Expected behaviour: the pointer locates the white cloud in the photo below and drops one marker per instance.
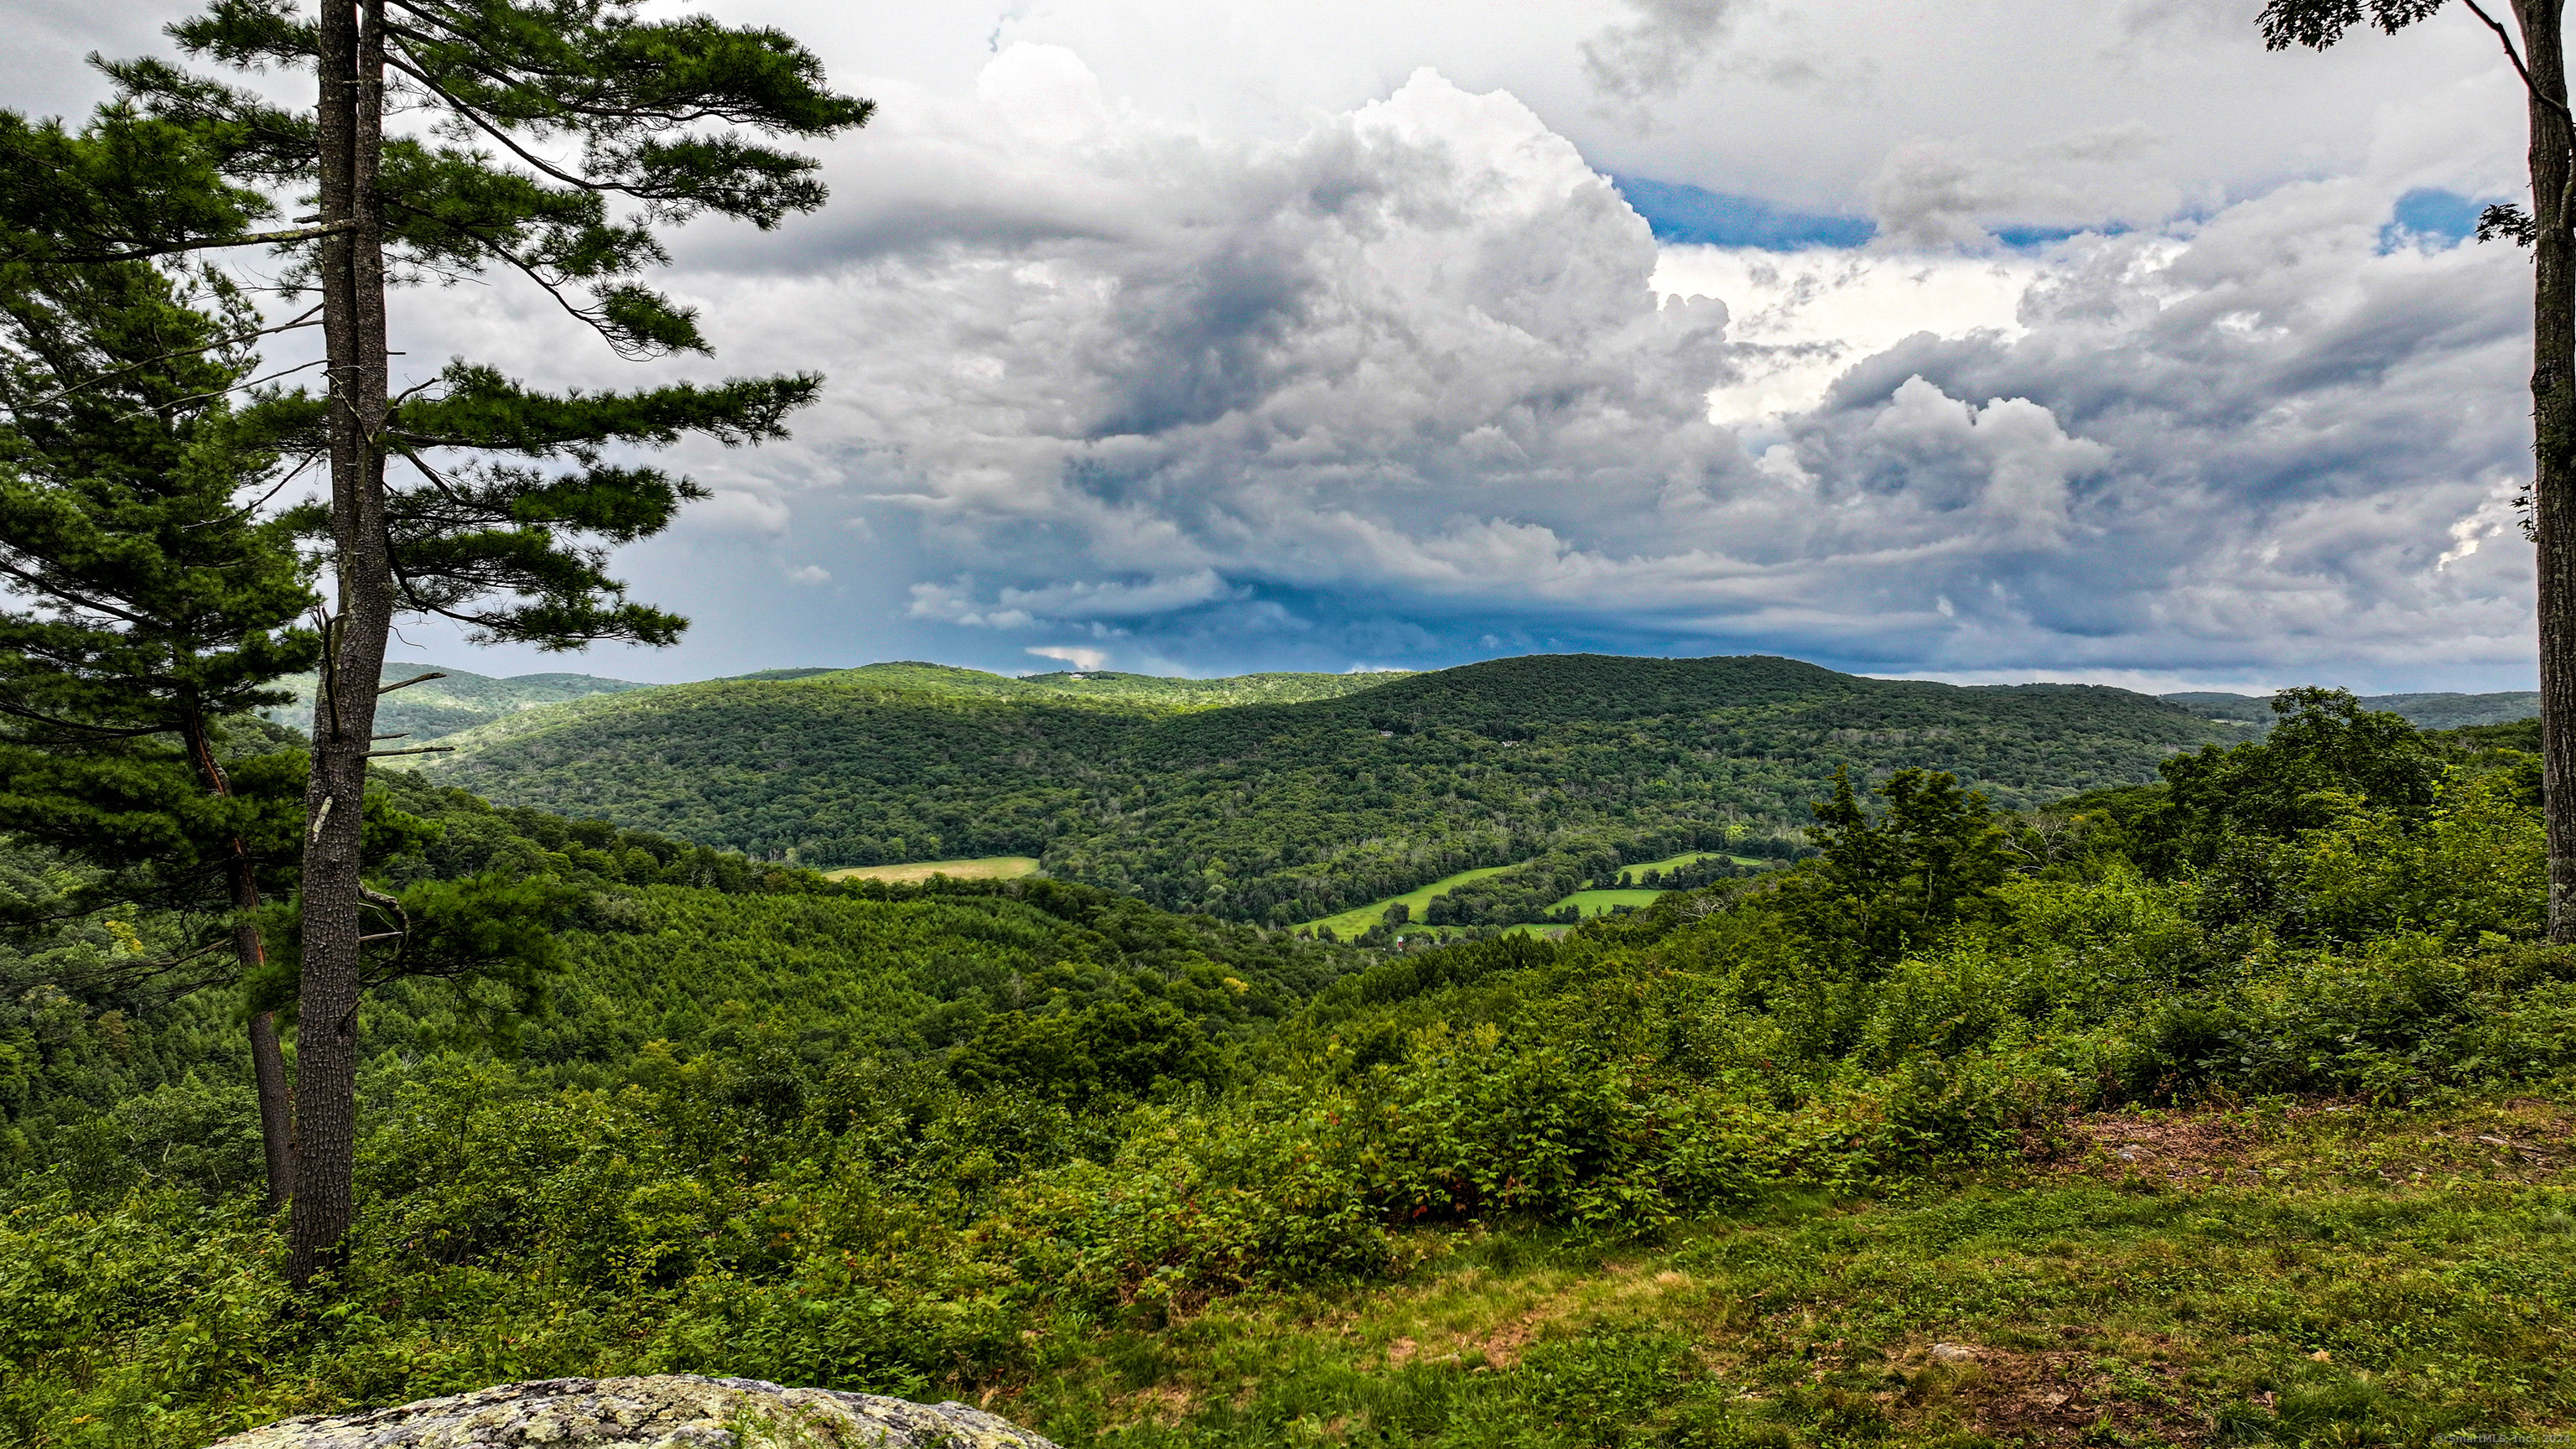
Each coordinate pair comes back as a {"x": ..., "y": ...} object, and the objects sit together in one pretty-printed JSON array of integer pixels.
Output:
[
  {"x": 1802, "y": 318},
  {"x": 737, "y": 510},
  {"x": 1282, "y": 356},
  {"x": 1424, "y": 359},
  {"x": 1075, "y": 655}
]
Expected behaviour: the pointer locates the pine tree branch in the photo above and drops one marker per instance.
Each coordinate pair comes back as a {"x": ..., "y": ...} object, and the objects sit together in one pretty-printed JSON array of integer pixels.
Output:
[
  {"x": 499, "y": 74},
  {"x": 467, "y": 112},
  {"x": 98, "y": 732},
  {"x": 255, "y": 239},
  {"x": 383, "y": 690},
  {"x": 221, "y": 391},
  {"x": 525, "y": 269},
  {"x": 181, "y": 352},
  {"x": 44, "y": 588},
  {"x": 240, "y": 513}
]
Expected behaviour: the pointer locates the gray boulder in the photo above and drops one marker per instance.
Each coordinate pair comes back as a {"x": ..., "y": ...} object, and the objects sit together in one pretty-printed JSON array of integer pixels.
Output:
[{"x": 664, "y": 1411}]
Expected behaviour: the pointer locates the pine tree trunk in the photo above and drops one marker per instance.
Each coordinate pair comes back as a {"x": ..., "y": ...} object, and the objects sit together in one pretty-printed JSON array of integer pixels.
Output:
[
  {"x": 267, "y": 1058},
  {"x": 2553, "y": 415},
  {"x": 353, "y": 300},
  {"x": 276, "y": 1105}
]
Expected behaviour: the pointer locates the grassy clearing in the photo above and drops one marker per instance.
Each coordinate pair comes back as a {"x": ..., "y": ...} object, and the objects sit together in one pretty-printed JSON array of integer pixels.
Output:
[
  {"x": 1352, "y": 922},
  {"x": 1687, "y": 857},
  {"x": 1358, "y": 919},
  {"x": 2326, "y": 1277},
  {"x": 990, "y": 867},
  {"x": 1598, "y": 903}
]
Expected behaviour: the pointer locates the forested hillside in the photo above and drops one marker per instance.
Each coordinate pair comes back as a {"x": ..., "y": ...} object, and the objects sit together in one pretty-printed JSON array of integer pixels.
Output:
[
  {"x": 460, "y": 701},
  {"x": 2439, "y": 711},
  {"x": 2226, "y": 1107},
  {"x": 1287, "y": 812}
]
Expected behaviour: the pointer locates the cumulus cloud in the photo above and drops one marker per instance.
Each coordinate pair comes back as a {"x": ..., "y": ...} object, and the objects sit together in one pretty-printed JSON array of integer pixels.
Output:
[
  {"x": 1414, "y": 384},
  {"x": 1420, "y": 378},
  {"x": 1933, "y": 193}
]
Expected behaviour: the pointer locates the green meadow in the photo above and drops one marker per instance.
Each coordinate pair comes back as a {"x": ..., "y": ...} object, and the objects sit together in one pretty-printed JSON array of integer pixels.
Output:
[
  {"x": 1594, "y": 901},
  {"x": 1601, "y": 902},
  {"x": 1347, "y": 924}
]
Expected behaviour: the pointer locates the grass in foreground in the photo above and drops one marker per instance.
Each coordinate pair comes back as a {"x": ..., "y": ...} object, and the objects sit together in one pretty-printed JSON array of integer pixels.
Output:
[
  {"x": 991, "y": 867},
  {"x": 2322, "y": 1277}
]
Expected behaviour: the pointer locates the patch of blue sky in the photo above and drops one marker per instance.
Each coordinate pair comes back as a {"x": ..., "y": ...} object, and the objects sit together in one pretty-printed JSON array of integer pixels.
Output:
[
  {"x": 2025, "y": 238},
  {"x": 1687, "y": 214},
  {"x": 2429, "y": 218}
]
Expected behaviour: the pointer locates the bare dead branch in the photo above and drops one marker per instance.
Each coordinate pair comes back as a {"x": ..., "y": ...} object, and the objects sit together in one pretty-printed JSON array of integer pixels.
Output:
[{"x": 408, "y": 683}]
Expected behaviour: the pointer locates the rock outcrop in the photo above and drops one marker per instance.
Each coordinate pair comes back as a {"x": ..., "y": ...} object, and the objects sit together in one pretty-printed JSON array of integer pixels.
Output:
[{"x": 665, "y": 1411}]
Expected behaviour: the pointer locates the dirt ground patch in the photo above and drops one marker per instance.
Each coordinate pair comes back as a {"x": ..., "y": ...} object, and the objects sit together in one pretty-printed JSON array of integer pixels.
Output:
[
  {"x": 2179, "y": 1146},
  {"x": 1161, "y": 1404},
  {"x": 2052, "y": 1398},
  {"x": 2525, "y": 1139}
]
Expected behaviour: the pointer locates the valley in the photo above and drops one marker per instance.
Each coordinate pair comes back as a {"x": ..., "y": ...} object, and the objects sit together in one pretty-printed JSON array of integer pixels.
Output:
[
  {"x": 1324, "y": 795},
  {"x": 2164, "y": 1110}
]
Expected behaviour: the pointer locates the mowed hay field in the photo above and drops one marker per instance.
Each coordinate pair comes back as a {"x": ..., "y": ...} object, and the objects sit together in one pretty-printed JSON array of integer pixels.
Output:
[{"x": 991, "y": 867}]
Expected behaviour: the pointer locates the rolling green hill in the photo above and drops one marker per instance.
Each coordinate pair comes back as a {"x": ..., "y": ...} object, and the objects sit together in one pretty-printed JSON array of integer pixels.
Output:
[
  {"x": 1280, "y": 812},
  {"x": 460, "y": 701},
  {"x": 2424, "y": 711},
  {"x": 464, "y": 699}
]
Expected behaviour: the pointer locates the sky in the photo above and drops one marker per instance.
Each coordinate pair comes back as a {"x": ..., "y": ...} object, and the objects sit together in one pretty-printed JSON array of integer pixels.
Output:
[{"x": 1989, "y": 340}]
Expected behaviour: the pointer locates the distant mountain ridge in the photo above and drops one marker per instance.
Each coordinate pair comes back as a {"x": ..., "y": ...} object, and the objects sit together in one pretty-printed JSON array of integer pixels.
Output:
[
  {"x": 2424, "y": 711},
  {"x": 462, "y": 700},
  {"x": 1281, "y": 798}
]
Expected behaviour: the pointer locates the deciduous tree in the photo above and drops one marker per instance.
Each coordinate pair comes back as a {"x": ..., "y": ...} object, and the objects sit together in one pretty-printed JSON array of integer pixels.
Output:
[
  {"x": 2535, "y": 43},
  {"x": 1892, "y": 881}
]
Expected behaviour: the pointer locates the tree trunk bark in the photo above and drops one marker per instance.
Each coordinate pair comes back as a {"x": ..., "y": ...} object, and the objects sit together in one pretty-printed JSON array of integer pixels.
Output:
[
  {"x": 276, "y": 1106},
  {"x": 351, "y": 114},
  {"x": 267, "y": 1058},
  {"x": 2553, "y": 416}
]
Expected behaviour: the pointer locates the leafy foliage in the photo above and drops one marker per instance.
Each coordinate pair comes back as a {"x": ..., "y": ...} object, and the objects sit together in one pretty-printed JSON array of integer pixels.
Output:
[{"x": 931, "y": 1139}]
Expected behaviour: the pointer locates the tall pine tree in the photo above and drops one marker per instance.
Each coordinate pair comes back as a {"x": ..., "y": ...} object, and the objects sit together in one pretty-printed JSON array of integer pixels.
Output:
[
  {"x": 152, "y": 604},
  {"x": 560, "y": 134}
]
